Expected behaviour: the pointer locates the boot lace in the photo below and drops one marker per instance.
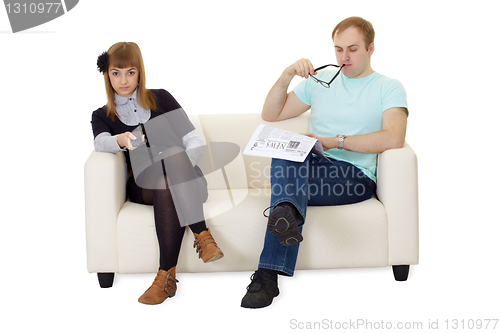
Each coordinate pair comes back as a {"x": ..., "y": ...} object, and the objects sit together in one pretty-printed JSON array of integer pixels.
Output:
[
  {"x": 262, "y": 279},
  {"x": 265, "y": 210}
]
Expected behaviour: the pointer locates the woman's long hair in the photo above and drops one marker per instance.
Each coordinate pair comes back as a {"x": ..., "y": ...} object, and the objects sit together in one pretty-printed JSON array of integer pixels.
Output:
[{"x": 126, "y": 55}]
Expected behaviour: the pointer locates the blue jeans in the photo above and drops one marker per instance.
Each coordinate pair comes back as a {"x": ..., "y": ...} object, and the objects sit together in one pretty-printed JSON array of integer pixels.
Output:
[{"x": 314, "y": 182}]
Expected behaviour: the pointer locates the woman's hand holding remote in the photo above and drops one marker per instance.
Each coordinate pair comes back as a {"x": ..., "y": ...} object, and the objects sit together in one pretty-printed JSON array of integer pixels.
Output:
[{"x": 124, "y": 140}]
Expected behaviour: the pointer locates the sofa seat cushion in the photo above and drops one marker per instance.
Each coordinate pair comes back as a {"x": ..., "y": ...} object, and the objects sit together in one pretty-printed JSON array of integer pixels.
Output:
[{"x": 343, "y": 236}]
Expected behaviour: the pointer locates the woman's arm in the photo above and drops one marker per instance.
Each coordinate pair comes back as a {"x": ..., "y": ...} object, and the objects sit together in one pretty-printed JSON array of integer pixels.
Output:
[
  {"x": 106, "y": 143},
  {"x": 193, "y": 145}
]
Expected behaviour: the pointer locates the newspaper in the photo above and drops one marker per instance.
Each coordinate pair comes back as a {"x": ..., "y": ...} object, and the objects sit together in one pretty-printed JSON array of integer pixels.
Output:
[{"x": 268, "y": 141}]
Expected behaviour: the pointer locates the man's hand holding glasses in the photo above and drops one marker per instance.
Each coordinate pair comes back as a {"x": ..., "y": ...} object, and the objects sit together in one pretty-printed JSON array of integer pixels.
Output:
[
  {"x": 302, "y": 68},
  {"x": 281, "y": 104}
]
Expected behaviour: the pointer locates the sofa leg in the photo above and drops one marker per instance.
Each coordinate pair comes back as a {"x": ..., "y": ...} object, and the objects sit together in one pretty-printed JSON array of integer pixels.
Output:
[
  {"x": 106, "y": 279},
  {"x": 401, "y": 272}
]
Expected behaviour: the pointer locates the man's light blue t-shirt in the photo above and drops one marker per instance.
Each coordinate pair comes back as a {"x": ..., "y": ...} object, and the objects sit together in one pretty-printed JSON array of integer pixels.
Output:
[{"x": 350, "y": 107}]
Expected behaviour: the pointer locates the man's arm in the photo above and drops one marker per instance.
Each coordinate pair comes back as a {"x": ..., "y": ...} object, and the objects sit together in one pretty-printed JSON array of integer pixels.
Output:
[
  {"x": 279, "y": 104},
  {"x": 391, "y": 136}
]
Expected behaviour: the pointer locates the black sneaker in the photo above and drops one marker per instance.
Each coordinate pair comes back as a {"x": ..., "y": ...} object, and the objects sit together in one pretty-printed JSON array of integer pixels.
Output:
[
  {"x": 282, "y": 223},
  {"x": 261, "y": 291}
]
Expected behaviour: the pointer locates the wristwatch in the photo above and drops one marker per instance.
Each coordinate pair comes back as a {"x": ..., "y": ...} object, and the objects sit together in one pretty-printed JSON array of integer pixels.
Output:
[{"x": 341, "y": 141}]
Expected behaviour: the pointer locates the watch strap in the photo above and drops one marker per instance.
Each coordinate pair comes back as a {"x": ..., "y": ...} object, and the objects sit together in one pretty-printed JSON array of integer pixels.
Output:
[{"x": 341, "y": 141}]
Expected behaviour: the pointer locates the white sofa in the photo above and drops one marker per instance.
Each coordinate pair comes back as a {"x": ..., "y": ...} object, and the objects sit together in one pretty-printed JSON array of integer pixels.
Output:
[{"x": 382, "y": 231}]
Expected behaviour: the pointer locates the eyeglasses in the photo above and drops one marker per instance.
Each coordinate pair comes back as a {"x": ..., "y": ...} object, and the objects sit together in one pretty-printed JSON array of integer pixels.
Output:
[{"x": 324, "y": 83}]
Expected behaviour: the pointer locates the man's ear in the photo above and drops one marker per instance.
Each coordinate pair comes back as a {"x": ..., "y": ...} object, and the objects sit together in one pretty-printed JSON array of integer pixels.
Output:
[{"x": 371, "y": 48}]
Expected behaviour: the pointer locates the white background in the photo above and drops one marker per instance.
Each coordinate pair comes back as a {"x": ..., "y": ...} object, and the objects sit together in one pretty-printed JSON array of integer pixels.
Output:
[{"x": 223, "y": 57}]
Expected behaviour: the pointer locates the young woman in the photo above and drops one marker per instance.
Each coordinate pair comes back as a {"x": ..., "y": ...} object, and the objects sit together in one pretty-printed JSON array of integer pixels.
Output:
[{"x": 174, "y": 178}]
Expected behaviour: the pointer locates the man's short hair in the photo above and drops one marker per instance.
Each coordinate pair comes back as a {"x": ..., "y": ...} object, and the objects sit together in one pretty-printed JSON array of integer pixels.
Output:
[{"x": 363, "y": 26}]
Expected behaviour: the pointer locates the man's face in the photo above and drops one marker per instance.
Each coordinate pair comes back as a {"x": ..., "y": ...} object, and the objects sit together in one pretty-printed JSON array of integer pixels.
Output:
[{"x": 350, "y": 51}]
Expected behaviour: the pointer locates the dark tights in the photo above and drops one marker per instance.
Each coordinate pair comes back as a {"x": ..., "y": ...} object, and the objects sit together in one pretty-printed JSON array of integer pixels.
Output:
[{"x": 168, "y": 227}]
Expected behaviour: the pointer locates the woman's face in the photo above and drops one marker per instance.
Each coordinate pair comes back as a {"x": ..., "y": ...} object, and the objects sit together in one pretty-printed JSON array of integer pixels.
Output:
[{"x": 124, "y": 80}]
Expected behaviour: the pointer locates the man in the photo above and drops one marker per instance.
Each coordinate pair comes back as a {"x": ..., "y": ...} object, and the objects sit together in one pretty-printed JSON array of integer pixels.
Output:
[{"x": 358, "y": 115}]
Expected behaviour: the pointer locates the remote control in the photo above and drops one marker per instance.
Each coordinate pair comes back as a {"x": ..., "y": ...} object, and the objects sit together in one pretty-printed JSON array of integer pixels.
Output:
[{"x": 138, "y": 142}]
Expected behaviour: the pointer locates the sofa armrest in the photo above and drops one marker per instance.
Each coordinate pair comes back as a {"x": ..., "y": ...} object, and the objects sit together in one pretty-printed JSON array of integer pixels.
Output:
[
  {"x": 105, "y": 193},
  {"x": 397, "y": 189}
]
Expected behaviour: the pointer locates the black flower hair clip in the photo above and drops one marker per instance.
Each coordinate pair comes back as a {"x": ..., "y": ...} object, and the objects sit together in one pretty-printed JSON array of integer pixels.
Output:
[{"x": 103, "y": 62}]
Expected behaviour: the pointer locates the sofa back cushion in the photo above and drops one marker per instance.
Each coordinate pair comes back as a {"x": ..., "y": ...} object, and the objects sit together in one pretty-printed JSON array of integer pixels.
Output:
[{"x": 226, "y": 136}]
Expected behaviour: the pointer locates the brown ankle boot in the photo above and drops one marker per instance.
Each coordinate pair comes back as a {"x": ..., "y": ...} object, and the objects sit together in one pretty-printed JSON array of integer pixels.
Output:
[
  {"x": 206, "y": 247},
  {"x": 163, "y": 287}
]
